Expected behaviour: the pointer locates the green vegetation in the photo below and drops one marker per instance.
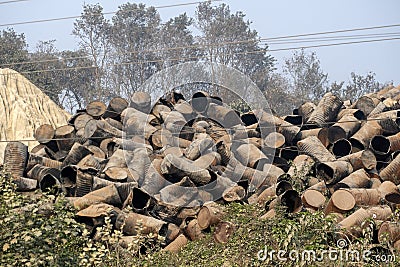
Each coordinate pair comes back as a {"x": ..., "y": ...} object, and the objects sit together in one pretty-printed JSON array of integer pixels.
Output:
[{"x": 34, "y": 232}]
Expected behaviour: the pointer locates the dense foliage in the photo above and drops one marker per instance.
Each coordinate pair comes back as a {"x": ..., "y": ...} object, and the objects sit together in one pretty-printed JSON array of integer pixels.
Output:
[{"x": 37, "y": 231}]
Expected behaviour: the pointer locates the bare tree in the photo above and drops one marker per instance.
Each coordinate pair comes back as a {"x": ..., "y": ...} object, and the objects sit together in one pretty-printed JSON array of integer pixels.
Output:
[
  {"x": 93, "y": 30},
  {"x": 135, "y": 30},
  {"x": 358, "y": 86},
  {"x": 228, "y": 39},
  {"x": 307, "y": 79},
  {"x": 77, "y": 80},
  {"x": 276, "y": 88},
  {"x": 13, "y": 49}
]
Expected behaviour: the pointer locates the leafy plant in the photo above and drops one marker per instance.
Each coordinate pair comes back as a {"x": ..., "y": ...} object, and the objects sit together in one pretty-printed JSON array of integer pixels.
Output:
[{"x": 37, "y": 231}]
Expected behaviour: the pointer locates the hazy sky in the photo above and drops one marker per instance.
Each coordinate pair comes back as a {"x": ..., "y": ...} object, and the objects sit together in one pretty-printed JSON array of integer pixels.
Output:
[{"x": 269, "y": 18}]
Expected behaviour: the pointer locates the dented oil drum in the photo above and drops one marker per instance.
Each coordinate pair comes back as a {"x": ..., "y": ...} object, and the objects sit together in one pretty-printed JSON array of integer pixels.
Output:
[
  {"x": 141, "y": 101},
  {"x": 115, "y": 107},
  {"x": 313, "y": 147},
  {"x": 15, "y": 158},
  {"x": 392, "y": 171},
  {"x": 325, "y": 112}
]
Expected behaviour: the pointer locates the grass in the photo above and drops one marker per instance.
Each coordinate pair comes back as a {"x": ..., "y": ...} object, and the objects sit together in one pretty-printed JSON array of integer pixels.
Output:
[{"x": 302, "y": 233}]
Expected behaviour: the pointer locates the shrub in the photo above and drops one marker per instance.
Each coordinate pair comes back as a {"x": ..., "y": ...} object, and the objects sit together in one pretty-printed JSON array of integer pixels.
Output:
[{"x": 37, "y": 231}]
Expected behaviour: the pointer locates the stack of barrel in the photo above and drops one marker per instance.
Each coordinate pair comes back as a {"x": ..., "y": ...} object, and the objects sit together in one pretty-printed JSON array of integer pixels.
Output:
[{"x": 176, "y": 163}]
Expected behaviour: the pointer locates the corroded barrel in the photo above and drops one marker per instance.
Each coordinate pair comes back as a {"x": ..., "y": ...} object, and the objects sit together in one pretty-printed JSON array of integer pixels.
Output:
[
  {"x": 15, "y": 158},
  {"x": 357, "y": 179},
  {"x": 141, "y": 101},
  {"x": 380, "y": 145},
  {"x": 389, "y": 231},
  {"x": 172, "y": 165},
  {"x": 200, "y": 101},
  {"x": 341, "y": 148},
  {"x": 177, "y": 244},
  {"x": 108, "y": 195},
  {"x": 25, "y": 184},
  {"x": 356, "y": 218},
  {"x": 361, "y": 139},
  {"x": 341, "y": 201},
  {"x": 326, "y": 110},
  {"x": 115, "y": 107},
  {"x": 131, "y": 222},
  {"x": 65, "y": 137},
  {"x": 313, "y": 147},
  {"x": 362, "y": 159},
  {"x": 344, "y": 128},
  {"x": 305, "y": 110},
  {"x": 394, "y": 142},
  {"x": 366, "y": 104},
  {"x": 392, "y": 171},
  {"x": 76, "y": 154},
  {"x": 209, "y": 215},
  {"x": 364, "y": 196},
  {"x": 333, "y": 172},
  {"x": 313, "y": 199}
]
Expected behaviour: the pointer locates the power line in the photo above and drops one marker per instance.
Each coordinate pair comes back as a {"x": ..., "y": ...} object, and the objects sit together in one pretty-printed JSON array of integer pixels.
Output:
[
  {"x": 335, "y": 44},
  {"x": 12, "y": 1},
  {"x": 341, "y": 31},
  {"x": 201, "y": 57},
  {"x": 174, "y": 5},
  {"x": 105, "y": 13},
  {"x": 262, "y": 40},
  {"x": 331, "y": 38}
]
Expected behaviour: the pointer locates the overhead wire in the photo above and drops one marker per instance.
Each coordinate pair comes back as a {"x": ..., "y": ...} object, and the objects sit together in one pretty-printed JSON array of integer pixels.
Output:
[
  {"x": 105, "y": 13},
  {"x": 261, "y": 50},
  {"x": 330, "y": 39},
  {"x": 271, "y": 42},
  {"x": 203, "y": 45},
  {"x": 12, "y": 1},
  {"x": 341, "y": 31},
  {"x": 335, "y": 44}
]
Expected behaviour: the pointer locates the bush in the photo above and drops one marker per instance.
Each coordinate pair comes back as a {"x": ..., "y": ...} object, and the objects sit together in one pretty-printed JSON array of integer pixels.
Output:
[{"x": 37, "y": 231}]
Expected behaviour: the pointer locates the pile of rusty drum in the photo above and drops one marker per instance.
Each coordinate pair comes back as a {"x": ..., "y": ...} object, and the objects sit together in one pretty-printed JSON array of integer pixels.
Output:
[{"x": 176, "y": 163}]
